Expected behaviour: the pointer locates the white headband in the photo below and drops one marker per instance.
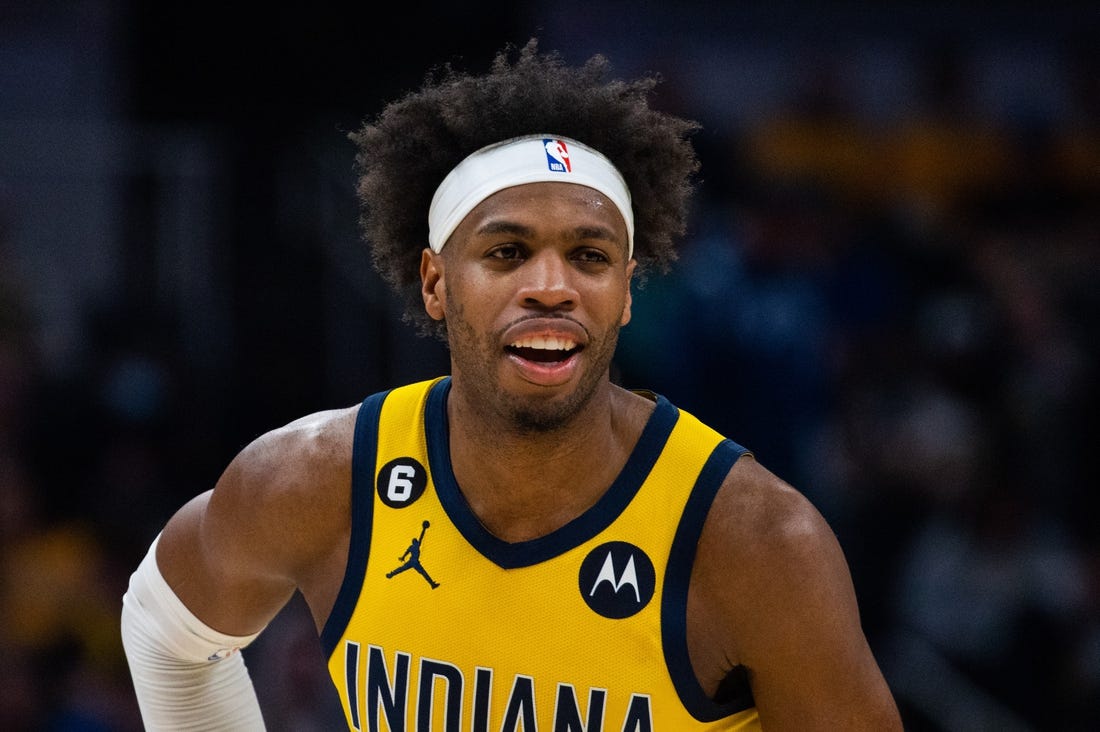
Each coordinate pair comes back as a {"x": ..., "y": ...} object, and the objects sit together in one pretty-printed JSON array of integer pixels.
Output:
[{"x": 529, "y": 159}]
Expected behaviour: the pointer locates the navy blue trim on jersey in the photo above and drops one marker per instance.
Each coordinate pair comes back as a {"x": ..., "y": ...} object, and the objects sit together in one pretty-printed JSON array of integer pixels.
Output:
[
  {"x": 364, "y": 454},
  {"x": 509, "y": 555},
  {"x": 674, "y": 602}
]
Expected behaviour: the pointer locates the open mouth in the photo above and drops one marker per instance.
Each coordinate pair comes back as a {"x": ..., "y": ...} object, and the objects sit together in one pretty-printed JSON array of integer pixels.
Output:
[{"x": 544, "y": 349}]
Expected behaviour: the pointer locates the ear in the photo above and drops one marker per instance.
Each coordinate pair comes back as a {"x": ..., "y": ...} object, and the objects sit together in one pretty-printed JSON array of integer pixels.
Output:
[
  {"x": 629, "y": 299},
  {"x": 431, "y": 284}
]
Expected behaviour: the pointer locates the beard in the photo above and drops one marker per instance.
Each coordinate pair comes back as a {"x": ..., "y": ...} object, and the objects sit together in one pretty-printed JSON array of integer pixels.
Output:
[{"x": 478, "y": 358}]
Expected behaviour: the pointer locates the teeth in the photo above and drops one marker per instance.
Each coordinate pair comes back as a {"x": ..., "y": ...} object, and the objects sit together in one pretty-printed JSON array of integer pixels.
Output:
[{"x": 546, "y": 343}]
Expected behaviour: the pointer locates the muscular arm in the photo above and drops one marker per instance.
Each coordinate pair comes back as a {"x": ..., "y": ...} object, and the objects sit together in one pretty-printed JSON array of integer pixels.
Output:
[
  {"x": 776, "y": 597},
  {"x": 228, "y": 561},
  {"x": 277, "y": 521},
  {"x": 218, "y": 556}
]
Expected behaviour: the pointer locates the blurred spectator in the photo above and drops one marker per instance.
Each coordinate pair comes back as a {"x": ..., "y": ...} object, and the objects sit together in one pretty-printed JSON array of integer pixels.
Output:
[{"x": 64, "y": 668}]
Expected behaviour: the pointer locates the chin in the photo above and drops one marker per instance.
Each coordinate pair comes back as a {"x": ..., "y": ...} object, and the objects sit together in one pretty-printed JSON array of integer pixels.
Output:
[
  {"x": 548, "y": 409},
  {"x": 541, "y": 421}
]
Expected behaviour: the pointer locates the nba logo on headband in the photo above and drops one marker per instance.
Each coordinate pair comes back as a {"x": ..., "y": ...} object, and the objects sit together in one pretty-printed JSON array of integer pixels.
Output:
[{"x": 557, "y": 156}]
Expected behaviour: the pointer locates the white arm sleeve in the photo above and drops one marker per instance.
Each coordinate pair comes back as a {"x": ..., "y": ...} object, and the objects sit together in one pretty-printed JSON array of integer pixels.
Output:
[{"x": 187, "y": 675}]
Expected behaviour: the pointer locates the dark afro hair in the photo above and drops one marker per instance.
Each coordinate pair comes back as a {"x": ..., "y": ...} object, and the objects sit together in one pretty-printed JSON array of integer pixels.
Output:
[{"x": 404, "y": 154}]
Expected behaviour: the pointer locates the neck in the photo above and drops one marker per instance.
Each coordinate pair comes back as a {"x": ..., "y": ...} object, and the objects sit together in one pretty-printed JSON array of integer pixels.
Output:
[{"x": 523, "y": 484}]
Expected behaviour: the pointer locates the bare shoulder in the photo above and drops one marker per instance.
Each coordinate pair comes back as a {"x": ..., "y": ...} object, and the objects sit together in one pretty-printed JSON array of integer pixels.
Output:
[
  {"x": 294, "y": 457},
  {"x": 764, "y": 544},
  {"x": 291, "y": 483},
  {"x": 758, "y": 516}
]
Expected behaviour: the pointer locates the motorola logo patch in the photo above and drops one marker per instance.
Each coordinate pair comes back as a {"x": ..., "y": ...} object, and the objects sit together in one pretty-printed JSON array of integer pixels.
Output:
[
  {"x": 617, "y": 579},
  {"x": 401, "y": 481}
]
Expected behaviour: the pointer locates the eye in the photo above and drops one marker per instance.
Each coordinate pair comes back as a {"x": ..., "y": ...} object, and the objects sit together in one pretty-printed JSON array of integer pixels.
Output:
[
  {"x": 506, "y": 251},
  {"x": 589, "y": 256}
]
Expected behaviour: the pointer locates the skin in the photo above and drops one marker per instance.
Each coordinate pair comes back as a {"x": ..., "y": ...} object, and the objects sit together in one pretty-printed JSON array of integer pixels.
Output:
[{"x": 533, "y": 446}]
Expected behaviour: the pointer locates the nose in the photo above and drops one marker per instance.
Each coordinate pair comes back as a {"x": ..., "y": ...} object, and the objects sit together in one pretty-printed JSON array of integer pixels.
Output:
[{"x": 547, "y": 281}]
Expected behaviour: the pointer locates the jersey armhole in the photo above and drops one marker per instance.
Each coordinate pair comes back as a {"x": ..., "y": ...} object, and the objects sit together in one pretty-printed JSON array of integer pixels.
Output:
[
  {"x": 363, "y": 458},
  {"x": 736, "y": 695}
]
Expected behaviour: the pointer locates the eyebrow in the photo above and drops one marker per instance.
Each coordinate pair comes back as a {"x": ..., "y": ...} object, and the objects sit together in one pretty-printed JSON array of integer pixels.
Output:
[
  {"x": 580, "y": 233},
  {"x": 506, "y": 227}
]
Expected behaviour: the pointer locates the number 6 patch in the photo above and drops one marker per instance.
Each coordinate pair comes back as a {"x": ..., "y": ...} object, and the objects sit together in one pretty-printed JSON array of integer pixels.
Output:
[{"x": 401, "y": 481}]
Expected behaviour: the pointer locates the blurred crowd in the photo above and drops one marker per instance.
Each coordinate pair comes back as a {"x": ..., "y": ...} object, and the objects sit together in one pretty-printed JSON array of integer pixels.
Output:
[
  {"x": 903, "y": 322},
  {"x": 900, "y": 319}
]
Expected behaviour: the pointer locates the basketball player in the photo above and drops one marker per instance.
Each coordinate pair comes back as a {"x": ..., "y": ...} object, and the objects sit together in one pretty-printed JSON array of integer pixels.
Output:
[{"x": 600, "y": 560}]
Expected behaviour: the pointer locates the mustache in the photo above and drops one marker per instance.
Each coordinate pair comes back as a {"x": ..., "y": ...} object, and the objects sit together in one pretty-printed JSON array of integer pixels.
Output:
[{"x": 550, "y": 315}]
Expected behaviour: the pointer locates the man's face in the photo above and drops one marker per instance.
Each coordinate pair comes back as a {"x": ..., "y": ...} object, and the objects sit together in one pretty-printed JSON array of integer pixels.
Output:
[{"x": 534, "y": 286}]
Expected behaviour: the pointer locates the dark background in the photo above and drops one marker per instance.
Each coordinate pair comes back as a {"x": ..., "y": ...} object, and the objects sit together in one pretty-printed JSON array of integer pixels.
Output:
[{"x": 890, "y": 292}]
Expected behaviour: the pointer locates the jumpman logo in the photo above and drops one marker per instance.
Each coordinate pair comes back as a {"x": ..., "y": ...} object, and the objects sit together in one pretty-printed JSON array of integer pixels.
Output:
[{"x": 413, "y": 555}]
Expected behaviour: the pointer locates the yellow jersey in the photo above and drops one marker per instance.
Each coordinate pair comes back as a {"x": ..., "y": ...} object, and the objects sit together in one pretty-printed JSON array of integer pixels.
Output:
[{"x": 439, "y": 625}]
